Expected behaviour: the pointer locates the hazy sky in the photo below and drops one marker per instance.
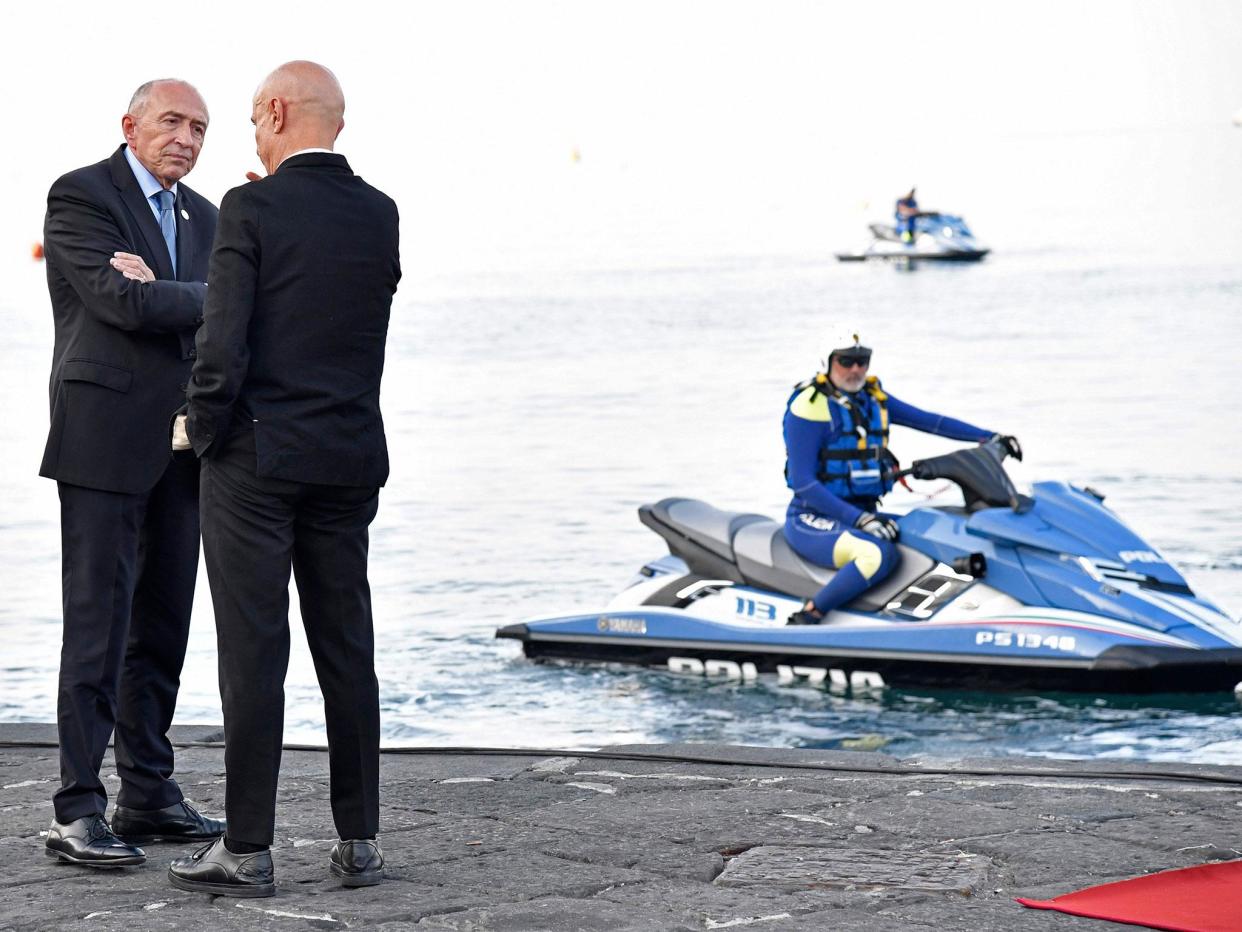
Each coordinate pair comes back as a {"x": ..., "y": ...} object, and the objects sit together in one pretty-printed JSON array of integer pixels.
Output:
[{"x": 469, "y": 113}]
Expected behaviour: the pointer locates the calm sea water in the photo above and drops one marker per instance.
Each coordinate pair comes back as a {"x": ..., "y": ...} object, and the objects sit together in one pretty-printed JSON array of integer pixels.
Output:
[{"x": 537, "y": 395}]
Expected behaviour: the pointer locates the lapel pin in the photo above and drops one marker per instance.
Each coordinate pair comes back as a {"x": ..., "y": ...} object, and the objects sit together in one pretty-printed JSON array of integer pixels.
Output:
[{"x": 185, "y": 214}]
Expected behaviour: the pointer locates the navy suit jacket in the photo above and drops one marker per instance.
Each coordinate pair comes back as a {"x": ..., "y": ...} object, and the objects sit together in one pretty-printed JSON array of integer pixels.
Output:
[
  {"x": 303, "y": 272},
  {"x": 123, "y": 349}
]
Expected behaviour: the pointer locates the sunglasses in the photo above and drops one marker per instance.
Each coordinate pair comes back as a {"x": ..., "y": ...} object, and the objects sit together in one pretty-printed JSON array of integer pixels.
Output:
[{"x": 846, "y": 362}]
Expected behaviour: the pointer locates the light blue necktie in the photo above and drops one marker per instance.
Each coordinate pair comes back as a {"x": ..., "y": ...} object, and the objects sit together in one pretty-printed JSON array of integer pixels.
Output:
[{"x": 168, "y": 224}]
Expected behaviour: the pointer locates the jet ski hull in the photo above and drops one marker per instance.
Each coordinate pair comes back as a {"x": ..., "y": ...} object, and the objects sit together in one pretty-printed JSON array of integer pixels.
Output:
[
  {"x": 966, "y": 255},
  {"x": 1121, "y": 669}
]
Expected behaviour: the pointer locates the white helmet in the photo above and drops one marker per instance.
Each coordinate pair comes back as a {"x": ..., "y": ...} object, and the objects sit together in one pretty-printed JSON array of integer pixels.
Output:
[{"x": 847, "y": 342}]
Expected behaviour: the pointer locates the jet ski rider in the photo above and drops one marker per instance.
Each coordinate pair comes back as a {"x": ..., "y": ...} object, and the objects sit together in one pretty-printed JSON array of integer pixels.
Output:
[
  {"x": 905, "y": 211},
  {"x": 836, "y": 447}
]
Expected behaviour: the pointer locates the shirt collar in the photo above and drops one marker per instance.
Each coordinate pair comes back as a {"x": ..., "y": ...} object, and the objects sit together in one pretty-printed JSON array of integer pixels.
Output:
[
  {"x": 304, "y": 152},
  {"x": 146, "y": 181}
]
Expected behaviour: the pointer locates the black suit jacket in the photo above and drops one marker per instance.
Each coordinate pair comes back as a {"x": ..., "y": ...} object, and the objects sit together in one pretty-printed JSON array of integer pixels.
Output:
[
  {"x": 123, "y": 349},
  {"x": 303, "y": 272}
]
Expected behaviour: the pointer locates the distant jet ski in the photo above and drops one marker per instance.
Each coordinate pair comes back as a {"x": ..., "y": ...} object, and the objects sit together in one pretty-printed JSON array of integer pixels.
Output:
[
  {"x": 937, "y": 238},
  {"x": 1048, "y": 592}
]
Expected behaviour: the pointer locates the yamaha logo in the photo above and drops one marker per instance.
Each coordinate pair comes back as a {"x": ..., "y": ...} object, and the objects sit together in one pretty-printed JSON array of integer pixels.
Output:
[{"x": 623, "y": 625}]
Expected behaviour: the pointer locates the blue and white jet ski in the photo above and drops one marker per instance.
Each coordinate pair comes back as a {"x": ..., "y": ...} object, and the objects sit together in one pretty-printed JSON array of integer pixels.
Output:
[
  {"x": 1047, "y": 592},
  {"x": 937, "y": 238}
]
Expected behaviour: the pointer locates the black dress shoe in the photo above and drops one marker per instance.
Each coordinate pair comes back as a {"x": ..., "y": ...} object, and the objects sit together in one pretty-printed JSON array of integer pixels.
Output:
[
  {"x": 178, "y": 822},
  {"x": 358, "y": 863},
  {"x": 88, "y": 841},
  {"x": 216, "y": 870}
]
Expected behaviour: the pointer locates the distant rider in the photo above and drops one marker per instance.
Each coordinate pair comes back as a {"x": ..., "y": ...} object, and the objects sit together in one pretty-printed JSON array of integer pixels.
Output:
[
  {"x": 905, "y": 212},
  {"x": 836, "y": 447}
]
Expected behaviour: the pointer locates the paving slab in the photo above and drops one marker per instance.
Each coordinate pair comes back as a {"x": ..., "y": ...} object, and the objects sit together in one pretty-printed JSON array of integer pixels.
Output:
[{"x": 676, "y": 837}]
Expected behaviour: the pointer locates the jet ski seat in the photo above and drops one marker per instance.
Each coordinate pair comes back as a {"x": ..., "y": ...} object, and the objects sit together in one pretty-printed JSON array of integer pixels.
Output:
[
  {"x": 700, "y": 534},
  {"x": 751, "y": 550}
]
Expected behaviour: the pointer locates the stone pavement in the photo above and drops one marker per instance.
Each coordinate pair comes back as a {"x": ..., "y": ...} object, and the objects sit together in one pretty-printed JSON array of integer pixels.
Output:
[{"x": 771, "y": 840}]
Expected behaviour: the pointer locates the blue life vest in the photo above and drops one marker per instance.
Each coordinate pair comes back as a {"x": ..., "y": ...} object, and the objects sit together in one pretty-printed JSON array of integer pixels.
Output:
[
  {"x": 905, "y": 224},
  {"x": 852, "y": 464}
]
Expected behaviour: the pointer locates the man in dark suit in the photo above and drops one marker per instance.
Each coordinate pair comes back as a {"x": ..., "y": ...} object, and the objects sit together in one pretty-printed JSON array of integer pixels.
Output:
[
  {"x": 284, "y": 412},
  {"x": 127, "y": 247}
]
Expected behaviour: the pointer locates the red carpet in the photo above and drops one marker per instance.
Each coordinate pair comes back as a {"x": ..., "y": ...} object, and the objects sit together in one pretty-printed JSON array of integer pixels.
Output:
[{"x": 1207, "y": 898}]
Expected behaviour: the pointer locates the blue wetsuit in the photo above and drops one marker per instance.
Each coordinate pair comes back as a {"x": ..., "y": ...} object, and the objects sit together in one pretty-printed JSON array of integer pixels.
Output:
[{"x": 819, "y": 523}]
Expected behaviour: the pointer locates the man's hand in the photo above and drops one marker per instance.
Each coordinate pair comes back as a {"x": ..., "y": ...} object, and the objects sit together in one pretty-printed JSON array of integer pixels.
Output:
[
  {"x": 132, "y": 266},
  {"x": 253, "y": 176},
  {"x": 877, "y": 526},
  {"x": 1009, "y": 444}
]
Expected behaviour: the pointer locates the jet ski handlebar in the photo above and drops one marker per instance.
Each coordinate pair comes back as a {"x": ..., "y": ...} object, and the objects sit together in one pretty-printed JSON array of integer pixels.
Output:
[{"x": 977, "y": 471}]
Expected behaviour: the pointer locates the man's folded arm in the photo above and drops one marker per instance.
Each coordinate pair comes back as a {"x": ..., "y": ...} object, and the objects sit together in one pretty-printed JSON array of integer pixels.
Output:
[
  {"x": 223, "y": 354},
  {"x": 80, "y": 238}
]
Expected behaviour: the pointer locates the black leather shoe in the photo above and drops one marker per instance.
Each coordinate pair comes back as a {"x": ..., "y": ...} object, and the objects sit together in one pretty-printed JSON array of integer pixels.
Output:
[
  {"x": 358, "y": 863},
  {"x": 88, "y": 841},
  {"x": 178, "y": 822},
  {"x": 216, "y": 870}
]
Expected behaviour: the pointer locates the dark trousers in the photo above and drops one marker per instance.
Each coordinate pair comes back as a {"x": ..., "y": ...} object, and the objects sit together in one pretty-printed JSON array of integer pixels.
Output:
[
  {"x": 815, "y": 537},
  {"x": 129, "y": 563},
  {"x": 254, "y": 531}
]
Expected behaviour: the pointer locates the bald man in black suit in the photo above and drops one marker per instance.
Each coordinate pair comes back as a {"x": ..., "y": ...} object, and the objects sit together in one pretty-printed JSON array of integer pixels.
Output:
[{"x": 284, "y": 411}]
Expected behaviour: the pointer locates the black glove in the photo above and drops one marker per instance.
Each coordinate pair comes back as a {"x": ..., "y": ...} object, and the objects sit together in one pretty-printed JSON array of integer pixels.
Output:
[
  {"x": 878, "y": 526},
  {"x": 1008, "y": 443}
]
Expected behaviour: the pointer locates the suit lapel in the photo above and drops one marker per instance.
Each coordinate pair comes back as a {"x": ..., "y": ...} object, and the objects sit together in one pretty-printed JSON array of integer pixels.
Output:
[{"x": 140, "y": 210}]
